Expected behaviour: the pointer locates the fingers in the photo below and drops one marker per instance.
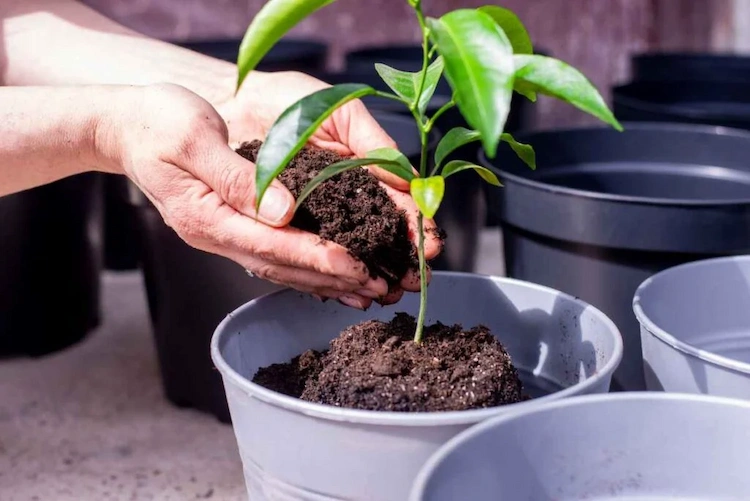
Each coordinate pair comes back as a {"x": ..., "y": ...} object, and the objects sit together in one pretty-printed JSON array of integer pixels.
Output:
[
  {"x": 432, "y": 242},
  {"x": 359, "y": 130},
  {"x": 233, "y": 178}
]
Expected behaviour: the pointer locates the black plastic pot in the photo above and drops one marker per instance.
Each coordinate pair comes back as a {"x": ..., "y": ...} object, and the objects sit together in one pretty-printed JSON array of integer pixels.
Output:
[
  {"x": 712, "y": 103},
  {"x": 50, "y": 261},
  {"x": 684, "y": 66},
  {"x": 605, "y": 210},
  {"x": 190, "y": 292},
  {"x": 288, "y": 54},
  {"x": 119, "y": 237}
]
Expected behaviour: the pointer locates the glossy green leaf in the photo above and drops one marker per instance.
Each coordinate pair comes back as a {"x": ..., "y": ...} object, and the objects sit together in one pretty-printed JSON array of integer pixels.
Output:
[
  {"x": 455, "y": 166},
  {"x": 406, "y": 84},
  {"x": 524, "y": 151},
  {"x": 479, "y": 67},
  {"x": 525, "y": 89},
  {"x": 335, "y": 169},
  {"x": 555, "y": 78},
  {"x": 427, "y": 193},
  {"x": 271, "y": 23},
  {"x": 402, "y": 167},
  {"x": 514, "y": 29},
  {"x": 295, "y": 126},
  {"x": 454, "y": 139}
]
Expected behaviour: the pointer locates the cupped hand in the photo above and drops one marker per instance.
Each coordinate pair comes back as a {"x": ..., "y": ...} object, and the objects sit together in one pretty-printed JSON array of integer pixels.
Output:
[
  {"x": 175, "y": 147},
  {"x": 349, "y": 131}
]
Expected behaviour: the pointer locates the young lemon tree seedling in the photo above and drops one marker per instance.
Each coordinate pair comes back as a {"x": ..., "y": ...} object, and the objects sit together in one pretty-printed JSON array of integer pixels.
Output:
[{"x": 485, "y": 54}]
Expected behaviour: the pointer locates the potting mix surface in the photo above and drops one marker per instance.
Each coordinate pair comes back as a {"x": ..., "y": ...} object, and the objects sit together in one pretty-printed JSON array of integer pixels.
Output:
[{"x": 376, "y": 365}]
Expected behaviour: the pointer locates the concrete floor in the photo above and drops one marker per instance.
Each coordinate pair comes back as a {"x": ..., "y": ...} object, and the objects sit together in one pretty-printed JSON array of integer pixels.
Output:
[{"x": 91, "y": 422}]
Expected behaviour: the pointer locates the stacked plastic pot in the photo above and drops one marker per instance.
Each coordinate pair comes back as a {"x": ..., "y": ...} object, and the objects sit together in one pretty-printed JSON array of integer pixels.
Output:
[
  {"x": 50, "y": 260},
  {"x": 605, "y": 210}
]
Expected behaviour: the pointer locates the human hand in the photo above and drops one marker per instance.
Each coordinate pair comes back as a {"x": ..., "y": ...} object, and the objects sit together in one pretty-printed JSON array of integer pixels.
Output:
[
  {"x": 349, "y": 131},
  {"x": 174, "y": 146}
]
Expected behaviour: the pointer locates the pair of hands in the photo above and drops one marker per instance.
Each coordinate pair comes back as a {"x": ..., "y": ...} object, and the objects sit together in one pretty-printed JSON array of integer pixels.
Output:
[{"x": 178, "y": 149}]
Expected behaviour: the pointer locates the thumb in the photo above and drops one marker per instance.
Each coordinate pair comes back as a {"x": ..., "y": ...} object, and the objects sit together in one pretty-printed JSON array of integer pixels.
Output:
[{"x": 232, "y": 177}]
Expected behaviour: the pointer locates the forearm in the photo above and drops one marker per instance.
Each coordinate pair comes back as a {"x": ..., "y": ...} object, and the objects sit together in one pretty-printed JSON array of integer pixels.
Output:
[
  {"x": 62, "y": 42},
  {"x": 47, "y": 133}
]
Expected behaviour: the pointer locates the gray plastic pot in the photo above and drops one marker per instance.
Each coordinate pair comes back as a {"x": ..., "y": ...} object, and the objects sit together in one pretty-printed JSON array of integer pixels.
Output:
[
  {"x": 605, "y": 210},
  {"x": 292, "y": 449},
  {"x": 617, "y": 447},
  {"x": 695, "y": 321}
]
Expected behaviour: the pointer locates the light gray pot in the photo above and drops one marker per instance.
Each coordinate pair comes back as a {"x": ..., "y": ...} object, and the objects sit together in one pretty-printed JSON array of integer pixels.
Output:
[
  {"x": 695, "y": 325},
  {"x": 292, "y": 449},
  {"x": 622, "y": 446}
]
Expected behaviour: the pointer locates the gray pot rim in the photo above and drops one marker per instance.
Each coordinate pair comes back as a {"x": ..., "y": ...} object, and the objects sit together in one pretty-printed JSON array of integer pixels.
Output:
[
  {"x": 389, "y": 418},
  {"x": 643, "y": 396},
  {"x": 665, "y": 337},
  {"x": 627, "y": 199}
]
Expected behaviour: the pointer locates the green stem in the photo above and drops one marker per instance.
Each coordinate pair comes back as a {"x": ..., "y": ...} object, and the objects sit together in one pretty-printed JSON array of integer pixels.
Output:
[
  {"x": 431, "y": 122},
  {"x": 422, "y": 281},
  {"x": 424, "y": 129},
  {"x": 425, "y": 51}
]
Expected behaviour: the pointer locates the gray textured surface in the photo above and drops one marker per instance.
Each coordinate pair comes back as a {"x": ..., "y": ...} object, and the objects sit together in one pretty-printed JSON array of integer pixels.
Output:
[{"x": 91, "y": 422}]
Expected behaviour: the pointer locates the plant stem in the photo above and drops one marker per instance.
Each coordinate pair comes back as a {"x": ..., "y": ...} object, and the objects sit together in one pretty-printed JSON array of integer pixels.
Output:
[
  {"x": 422, "y": 281},
  {"x": 425, "y": 50},
  {"x": 431, "y": 122},
  {"x": 424, "y": 129}
]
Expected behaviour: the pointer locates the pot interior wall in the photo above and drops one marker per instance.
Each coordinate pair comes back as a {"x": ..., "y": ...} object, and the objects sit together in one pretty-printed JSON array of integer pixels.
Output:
[
  {"x": 704, "y": 305},
  {"x": 554, "y": 342}
]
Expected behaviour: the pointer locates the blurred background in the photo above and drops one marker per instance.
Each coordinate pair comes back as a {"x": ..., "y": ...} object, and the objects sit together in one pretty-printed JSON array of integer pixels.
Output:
[{"x": 595, "y": 36}]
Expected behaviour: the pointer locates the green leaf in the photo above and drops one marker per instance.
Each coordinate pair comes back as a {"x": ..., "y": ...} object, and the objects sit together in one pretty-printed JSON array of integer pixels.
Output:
[
  {"x": 294, "y": 127},
  {"x": 335, "y": 169},
  {"x": 427, "y": 193},
  {"x": 524, "y": 151},
  {"x": 455, "y": 166},
  {"x": 512, "y": 26},
  {"x": 555, "y": 78},
  {"x": 406, "y": 84},
  {"x": 402, "y": 167},
  {"x": 273, "y": 21},
  {"x": 454, "y": 139},
  {"x": 479, "y": 67},
  {"x": 525, "y": 89}
]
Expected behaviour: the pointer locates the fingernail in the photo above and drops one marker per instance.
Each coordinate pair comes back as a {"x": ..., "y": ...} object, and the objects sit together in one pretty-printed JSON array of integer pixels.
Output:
[
  {"x": 275, "y": 204},
  {"x": 379, "y": 286},
  {"x": 352, "y": 302},
  {"x": 368, "y": 293}
]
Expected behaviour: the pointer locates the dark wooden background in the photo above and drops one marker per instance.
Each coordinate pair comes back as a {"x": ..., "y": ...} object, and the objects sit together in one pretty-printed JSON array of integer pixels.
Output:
[{"x": 597, "y": 36}]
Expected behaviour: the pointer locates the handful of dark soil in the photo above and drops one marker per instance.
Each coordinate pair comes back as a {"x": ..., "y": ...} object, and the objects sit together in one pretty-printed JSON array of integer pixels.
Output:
[
  {"x": 351, "y": 209},
  {"x": 376, "y": 365}
]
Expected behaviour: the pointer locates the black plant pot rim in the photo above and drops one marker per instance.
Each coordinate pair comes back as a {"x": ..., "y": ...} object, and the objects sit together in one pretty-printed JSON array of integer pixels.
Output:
[
  {"x": 688, "y": 56},
  {"x": 628, "y": 199},
  {"x": 681, "y": 109}
]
